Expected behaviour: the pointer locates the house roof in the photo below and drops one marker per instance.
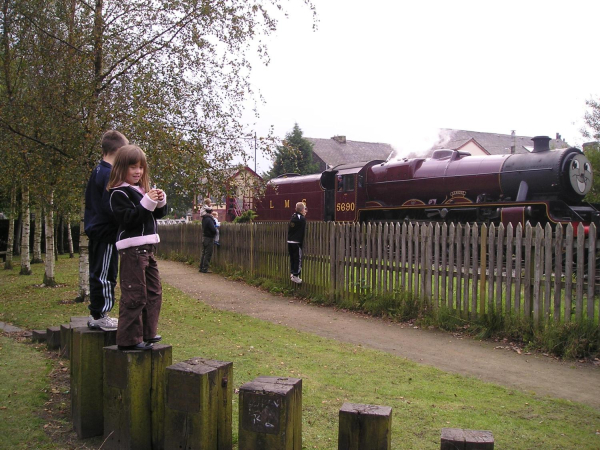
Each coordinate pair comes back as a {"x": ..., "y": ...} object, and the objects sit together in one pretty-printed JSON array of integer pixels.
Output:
[
  {"x": 338, "y": 150},
  {"x": 492, "y": 143}
]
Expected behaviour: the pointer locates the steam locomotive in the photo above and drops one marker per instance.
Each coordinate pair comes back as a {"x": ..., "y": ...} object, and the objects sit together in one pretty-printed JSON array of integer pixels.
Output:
[{"x": 543, "y": 186}]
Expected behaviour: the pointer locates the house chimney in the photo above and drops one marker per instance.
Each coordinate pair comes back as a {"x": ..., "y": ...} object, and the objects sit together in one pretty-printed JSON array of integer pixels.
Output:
[
  {"x": 339, "y": 139},
  {"x": 558, "y": 137},
  {"x": 541, "y": 144}
]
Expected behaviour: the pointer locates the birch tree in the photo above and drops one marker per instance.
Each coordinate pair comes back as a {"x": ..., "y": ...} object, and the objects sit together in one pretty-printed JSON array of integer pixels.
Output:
[
  {"x": 49, "y": 265},
  {"x": 25, "y": 262},
  {"x": 11, "y": 229},
  {"x": 37, "y": 236}
]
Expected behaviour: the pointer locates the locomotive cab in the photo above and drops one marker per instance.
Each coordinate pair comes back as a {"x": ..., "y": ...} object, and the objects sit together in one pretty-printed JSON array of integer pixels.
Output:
[{"x": 344, "y": 190}]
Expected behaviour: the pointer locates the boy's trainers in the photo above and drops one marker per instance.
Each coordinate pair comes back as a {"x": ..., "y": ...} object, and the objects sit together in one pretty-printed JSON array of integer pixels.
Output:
[
  {"x": 295, "y": 279},
  {"x": 103, "y": 323}
]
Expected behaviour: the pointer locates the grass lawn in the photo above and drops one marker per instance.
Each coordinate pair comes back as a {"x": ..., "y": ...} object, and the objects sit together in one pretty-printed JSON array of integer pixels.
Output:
[{"x": 424, "y": 400}]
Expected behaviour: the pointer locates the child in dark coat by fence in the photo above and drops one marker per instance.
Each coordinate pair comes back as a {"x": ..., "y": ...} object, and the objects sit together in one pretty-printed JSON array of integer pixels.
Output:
[{"x": 295, "y": 240}]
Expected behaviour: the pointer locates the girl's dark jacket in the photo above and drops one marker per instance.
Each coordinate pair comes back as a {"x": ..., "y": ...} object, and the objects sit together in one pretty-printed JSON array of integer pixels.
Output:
[{"x": 136, "y": 214}]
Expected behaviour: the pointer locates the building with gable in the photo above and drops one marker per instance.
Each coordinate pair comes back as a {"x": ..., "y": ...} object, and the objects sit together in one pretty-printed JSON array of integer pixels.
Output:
[
  {"x": 338, "y": 150},
  {"x": 479, "y": 143}
]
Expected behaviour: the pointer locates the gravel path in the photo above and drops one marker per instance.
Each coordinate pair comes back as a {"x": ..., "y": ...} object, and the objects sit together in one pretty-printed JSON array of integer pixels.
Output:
[{"x": 579, "y": 382}]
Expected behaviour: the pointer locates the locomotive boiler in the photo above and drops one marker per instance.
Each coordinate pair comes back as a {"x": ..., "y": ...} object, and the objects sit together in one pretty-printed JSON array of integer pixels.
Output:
[{"x": 543, "y": 186}]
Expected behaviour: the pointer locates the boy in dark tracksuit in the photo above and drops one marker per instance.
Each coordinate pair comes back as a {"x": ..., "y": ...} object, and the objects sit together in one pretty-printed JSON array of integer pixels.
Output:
[
  {"x": 295, "y": 239},
  {"x": 101, "y": 229},
  {"x": 209, "y": 231}
]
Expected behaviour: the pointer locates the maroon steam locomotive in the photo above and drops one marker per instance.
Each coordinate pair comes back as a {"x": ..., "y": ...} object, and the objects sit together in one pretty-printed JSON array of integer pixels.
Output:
[{"x": 540, "y": 187}]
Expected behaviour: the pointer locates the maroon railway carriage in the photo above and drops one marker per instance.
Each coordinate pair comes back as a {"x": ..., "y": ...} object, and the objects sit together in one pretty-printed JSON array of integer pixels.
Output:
[{"x": 542, "y": 186}]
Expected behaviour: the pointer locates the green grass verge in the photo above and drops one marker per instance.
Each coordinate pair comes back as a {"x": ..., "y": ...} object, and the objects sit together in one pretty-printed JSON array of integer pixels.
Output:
[
  {"x": 23, "y": 392},
  {"x": 424, "y": 400}
]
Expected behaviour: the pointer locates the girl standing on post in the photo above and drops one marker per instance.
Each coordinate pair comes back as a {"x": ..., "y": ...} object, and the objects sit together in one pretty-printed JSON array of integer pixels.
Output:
[{"x": 136, "y": 208}]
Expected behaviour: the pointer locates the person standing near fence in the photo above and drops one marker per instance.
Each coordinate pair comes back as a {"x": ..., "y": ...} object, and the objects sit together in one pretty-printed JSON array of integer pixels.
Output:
[
  {"x": 295, "y": 239},
  {"x": 209, "y": 232},
  {"x": 101, "y": 229},
  {"x": 217, "y": 226}
]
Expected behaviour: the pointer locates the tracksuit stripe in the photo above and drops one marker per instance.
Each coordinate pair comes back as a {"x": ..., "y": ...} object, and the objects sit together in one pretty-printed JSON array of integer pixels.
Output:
[{"x": 106, "y": 288}]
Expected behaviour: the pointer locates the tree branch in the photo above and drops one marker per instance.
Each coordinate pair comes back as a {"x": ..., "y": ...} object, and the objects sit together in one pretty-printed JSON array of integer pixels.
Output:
[
  {"x": 179, "y": 26},
  {"x": 10, "y": 128},
  {"x": 47, "y": 33}
]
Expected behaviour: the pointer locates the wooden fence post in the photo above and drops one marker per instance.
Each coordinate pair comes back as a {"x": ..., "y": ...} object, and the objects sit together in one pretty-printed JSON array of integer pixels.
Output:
[
  {"x": 365, "y": 427},
  {"x": 134, "y": 397},
  {"x": 459, "y": 439},
  {"x": 198, "y": 409},
  {"x": 87, "y": 379},
  {"x": 482, "y": 267},
  {"x": 271, "y": 414}
]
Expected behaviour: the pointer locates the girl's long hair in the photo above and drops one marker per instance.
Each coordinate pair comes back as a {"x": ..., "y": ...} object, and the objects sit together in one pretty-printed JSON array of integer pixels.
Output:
[{"x": 126, "y": 156}]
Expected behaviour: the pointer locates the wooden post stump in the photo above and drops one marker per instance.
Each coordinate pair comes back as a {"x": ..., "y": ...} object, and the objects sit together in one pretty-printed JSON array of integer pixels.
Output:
[
  {"x": 38, "y": 335},
  {"x": 198, "y": 410},
  {"x": 66, "y": 335},
  {"x": 271, "y": 414},
  {"x": 459, "y": 439},
  {"x": 87, "y": 379},
  {"x": 65, "y": 340},
  {"x": 365, "y": 427},
  {"x": 53, "y": 338},
  {"x": 133, "y": 397},
  {"x": 162, "y": 357}
]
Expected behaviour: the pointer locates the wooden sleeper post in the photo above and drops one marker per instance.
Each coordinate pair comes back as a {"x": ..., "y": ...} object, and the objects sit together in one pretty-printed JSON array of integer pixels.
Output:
[
  {"x": 133, "y": 383},
  {"x": 53, "y": 338},
  {"x": 87, "y": 379},
  {"x": 38, "y": 335},
  {"x": 198, "y": 409},
  {"x": 65, "y": 340},
  {"x": 271, "y": 414},
  {"x": 66, "y": 334},
  {"x": 365, "y": 427},
  {"x": 461, "y": 439}
]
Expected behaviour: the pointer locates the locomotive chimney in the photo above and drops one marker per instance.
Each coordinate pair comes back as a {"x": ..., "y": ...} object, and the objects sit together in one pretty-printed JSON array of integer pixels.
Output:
[
  {"x": 513, "y": 147},
  {"x": 541, "y": 144}
]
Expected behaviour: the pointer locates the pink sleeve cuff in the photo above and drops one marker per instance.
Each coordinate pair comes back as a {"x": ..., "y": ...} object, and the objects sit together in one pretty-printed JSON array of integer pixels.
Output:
[
  {"x": 148, "y": 203},
  {"x": 163, "y": 202}
]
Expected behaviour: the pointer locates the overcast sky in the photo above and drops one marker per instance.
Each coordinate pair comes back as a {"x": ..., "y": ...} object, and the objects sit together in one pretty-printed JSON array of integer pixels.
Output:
[{"x": 395, "y": 71}]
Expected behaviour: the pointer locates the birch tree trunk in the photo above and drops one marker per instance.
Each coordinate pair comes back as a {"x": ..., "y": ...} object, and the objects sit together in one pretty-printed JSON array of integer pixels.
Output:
[
  {"x": 26, "y": 219},
  {"x": 70, "y": 239},
  {"x": 84, "y": 268},
  {"x": 60, "y": 238},
  {"x": 49, "y": 279},
  {"x": 37, "y": 236},
  {"x": 11, "y": 229}
]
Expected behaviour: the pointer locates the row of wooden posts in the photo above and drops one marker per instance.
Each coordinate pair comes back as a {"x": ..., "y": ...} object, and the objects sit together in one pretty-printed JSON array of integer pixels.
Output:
[
  {"x": 139, "y": 399},
  {"x": 541, "y": 274}
]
